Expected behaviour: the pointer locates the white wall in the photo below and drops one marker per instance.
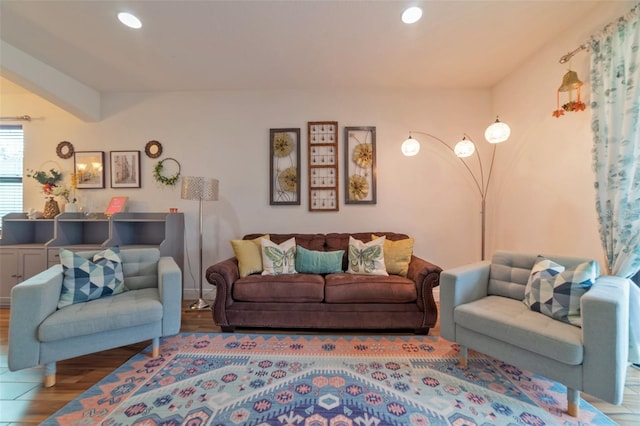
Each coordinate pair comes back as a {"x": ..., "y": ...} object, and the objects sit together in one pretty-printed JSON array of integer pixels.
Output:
[
  {"x": 225, "y": 135},
  {"x": 544, "y": 198}
]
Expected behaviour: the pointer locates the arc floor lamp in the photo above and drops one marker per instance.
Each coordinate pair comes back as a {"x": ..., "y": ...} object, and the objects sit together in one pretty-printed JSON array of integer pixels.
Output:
[
  {"x": 201, "y": 189},
  {"x": 496, "y": 133}
]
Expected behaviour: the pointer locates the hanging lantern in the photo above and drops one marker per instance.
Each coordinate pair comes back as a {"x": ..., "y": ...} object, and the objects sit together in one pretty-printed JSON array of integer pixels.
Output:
[{"x": 570, "y": 83}]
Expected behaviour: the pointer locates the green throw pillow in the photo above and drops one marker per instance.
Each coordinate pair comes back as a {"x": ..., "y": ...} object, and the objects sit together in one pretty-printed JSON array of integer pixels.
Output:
[
  {"x": 318, "y": 262},
  {"x": 89, "y": 279}
]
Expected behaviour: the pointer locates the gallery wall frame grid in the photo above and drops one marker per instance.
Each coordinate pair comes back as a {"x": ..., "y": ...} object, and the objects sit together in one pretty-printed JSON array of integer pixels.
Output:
[{"x": 322, "y": 139}]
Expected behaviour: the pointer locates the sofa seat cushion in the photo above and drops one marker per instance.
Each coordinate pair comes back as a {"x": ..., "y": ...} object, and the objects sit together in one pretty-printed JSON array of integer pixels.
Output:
[
  {"x": 301, "y": 288},
  {"x": 128, "y": 309},
  {"x": 356, "y": 288},
  {"x": 512, "y": 322}
]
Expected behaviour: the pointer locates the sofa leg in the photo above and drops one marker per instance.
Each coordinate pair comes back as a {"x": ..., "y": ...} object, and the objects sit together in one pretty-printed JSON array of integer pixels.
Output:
[
  {"x": 227, "y": 329},
  {"x": 464, "y": 353},
  {"x": 155, "y": 349},
  {"x": 49, "y": 375},
  {"x": 573, "y": 402}
]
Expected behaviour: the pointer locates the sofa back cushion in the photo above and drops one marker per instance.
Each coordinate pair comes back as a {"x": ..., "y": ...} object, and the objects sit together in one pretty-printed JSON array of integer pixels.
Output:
[
  {"x": 510, "y": 271},
  {"x": 308, "y": 241},
  {"x": 140, "y": 266}
]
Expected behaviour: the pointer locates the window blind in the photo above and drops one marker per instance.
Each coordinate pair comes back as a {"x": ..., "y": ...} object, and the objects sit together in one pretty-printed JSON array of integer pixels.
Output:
[{"x": 11, "y": 168}]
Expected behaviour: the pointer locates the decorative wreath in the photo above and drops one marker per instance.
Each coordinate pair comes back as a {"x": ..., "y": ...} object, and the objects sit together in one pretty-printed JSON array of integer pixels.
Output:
[
  {"x": 157, "y": 173},
  {"x": 64, "y": 149},
  {"x": 153, "y": 149}
]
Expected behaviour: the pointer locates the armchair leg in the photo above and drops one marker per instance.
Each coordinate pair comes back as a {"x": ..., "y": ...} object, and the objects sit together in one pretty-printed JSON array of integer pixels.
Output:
[
  {"x": 462, "y": 360},
  {"x": 573, "y": 402},
  {"x": 155, "y": 350},
  {"x": 49, "y": 375}
]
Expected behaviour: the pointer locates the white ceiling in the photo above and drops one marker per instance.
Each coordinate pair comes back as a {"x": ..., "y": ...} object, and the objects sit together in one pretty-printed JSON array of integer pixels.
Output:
[{"x": 269, "y": 44}]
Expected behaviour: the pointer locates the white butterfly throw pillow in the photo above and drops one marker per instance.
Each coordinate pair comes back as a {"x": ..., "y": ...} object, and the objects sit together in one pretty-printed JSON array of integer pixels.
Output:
[
  {"x": 366, "y": 258},
  {"x": 278, "y": 259}
]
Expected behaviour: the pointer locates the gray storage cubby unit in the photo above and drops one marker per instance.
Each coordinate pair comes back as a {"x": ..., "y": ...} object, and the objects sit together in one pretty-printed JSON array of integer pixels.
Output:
[
  {"x": 32, "y": 245},
  {"x": 18, "y": 229},
  {"x": 162, "y": 230},
  {"x": 75, "y": 231}
]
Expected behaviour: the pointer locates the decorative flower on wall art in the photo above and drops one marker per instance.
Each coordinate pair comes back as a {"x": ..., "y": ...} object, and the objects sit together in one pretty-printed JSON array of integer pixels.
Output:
[
  {"x": 282, "y": 144},
  {"x": 358, "y": 187},
  {"x": 363, "y": 155},
  {"x": 288, "y": 179}
]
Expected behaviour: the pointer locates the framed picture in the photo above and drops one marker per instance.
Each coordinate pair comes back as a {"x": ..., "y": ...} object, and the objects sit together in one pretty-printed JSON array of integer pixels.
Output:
[
  {"x": 322, "y": 138},
  {"x": 89, "y": 168},
  {"x": 360, "y": 165},
  {"x": 116, "y": 205},
  {"x": 125, "y": 169},
  {"x": 284, "y": 168}
]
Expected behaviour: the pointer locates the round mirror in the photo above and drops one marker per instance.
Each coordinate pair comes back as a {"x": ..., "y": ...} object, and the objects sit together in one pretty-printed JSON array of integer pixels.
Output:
[
  {"x": 64, "y": 149},
  {"x": 153, "y": 149}
]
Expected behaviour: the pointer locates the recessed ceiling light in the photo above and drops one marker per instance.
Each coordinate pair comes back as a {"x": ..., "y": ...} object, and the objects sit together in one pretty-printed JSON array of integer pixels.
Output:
[
  {"x": 129, "y": 20},
  {"x": 411, "y": 15}
]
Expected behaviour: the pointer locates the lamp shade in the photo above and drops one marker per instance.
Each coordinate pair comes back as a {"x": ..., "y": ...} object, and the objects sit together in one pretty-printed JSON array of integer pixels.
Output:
[
  {"x": 199, "y": 188},
  {"x": 497, "y": 132},
  {"x": 410, "y": 147},
  {"x": 464, "y": 148}
]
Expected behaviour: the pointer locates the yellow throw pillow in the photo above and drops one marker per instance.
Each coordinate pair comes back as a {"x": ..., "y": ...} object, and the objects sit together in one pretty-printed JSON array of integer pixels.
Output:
[
  {"x": 397, "y": 255},
  {"x": 249, "y": 255}
]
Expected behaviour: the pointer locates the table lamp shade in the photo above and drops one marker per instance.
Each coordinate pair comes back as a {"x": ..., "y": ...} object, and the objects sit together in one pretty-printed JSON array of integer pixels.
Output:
[{"x": 199, "y": 188}]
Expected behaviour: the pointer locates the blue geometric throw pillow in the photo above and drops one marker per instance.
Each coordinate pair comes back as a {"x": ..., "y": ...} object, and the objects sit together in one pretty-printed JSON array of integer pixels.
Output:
[
  {"x": 543, "y": 268},
  {"x": 557, "y": 294},
  {"x": 89, "y": 279}
]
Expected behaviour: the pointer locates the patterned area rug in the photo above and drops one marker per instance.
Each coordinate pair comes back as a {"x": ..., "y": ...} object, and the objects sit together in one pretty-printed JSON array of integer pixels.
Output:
[{"x": 242, "y": 379}]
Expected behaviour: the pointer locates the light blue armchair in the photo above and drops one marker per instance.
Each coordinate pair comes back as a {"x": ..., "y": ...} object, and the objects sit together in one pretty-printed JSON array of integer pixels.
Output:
[
  {"x": 41, "y": 334},
  {"x": 482, "y": 308}
]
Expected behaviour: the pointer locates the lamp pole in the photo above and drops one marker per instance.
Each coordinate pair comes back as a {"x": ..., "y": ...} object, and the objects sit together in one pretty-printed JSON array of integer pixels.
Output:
[{"x": 481, "y": 185}]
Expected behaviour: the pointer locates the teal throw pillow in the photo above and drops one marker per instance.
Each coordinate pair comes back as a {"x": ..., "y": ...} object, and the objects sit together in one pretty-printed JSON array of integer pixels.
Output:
[
  {"x": 318, "y": 262},
  {"x": 89, "y": 279}
]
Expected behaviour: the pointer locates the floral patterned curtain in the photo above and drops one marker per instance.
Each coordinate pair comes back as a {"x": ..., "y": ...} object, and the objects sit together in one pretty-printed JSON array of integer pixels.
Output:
[{"x": 615, "y": 100}]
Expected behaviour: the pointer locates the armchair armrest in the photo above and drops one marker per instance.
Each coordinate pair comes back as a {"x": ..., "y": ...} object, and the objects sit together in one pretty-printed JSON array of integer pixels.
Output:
[
  {"x": 458, "y": 286},
  {"x": 170, "y": 289},
  {"x": 426, "y": 275},
  {"x": 222, "y": 275},
  {"x": 32, "y": 301},
  {"x": 605, "y": 333}
]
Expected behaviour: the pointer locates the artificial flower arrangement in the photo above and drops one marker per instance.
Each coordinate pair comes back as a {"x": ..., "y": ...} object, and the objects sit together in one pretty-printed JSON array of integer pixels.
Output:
[{"x": 49, "y": 180}]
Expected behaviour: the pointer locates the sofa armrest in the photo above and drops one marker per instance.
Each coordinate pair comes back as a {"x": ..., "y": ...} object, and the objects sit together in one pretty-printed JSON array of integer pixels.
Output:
[
  {"x": 222, "y": 275},
  {"x": 458, "y": 286},
  {"x": 170, "y": 289},
  {"x": 426, "y": 275},
  {"x": 32, "y": 301},
  {"x": 605, "y": 333}
]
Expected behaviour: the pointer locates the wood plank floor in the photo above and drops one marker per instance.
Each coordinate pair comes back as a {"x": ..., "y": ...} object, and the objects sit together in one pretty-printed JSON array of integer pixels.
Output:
[{"x": 23, "y": 400}]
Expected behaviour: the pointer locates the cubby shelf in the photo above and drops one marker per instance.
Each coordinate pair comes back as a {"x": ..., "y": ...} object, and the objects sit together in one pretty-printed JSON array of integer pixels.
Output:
[{"x": 29, "y": 246}]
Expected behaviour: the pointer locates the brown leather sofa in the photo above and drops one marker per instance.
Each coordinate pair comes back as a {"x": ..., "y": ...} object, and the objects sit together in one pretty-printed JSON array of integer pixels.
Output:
[{"x": 331, "y": 301}]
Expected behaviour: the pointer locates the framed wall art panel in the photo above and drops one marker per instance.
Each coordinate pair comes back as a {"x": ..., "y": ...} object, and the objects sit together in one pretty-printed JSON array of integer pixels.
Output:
[
  {"x": 323, "y": 165},
  {"x": 89, "y": 168},
  {"x": 284, "y": 167},
  {"x": 125, "y": 169},
  {"x": 360, "y": 165}
]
